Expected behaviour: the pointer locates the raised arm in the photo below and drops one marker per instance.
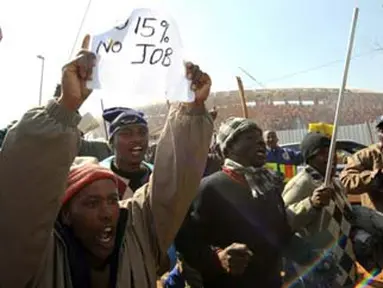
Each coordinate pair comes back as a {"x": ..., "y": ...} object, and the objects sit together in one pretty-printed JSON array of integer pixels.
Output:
[
  {"x": 179, "y": 164},
  {"x": 180, "y": 160},
  {"x": 34, "y": 163}
]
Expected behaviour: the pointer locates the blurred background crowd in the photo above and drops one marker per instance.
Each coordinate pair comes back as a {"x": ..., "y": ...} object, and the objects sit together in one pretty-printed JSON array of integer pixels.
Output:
[{"x": 285, "y": 109}]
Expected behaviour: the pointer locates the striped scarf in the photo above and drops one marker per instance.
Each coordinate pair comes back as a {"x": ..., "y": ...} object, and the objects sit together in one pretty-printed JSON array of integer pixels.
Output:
[
  {"x": 260, "y": 180},
  {"x": 339, "y": 255}
]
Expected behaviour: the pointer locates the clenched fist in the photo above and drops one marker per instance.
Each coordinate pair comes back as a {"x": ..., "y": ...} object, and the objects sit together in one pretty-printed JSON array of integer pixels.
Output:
[
  {"x": 235, "y": 258},
  {"x": 75, "y": 74},
  {"x": 321, "y": 196},
  {"x": 200, "y": 82}
]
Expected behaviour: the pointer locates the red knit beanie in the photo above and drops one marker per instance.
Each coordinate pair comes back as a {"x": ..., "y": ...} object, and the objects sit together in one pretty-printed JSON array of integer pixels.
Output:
[{"x": 83, "y": 175}]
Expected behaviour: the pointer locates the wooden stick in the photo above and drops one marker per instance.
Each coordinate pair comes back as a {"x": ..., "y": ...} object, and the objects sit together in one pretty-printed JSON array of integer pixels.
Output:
[{"x": 243, "y": 98}]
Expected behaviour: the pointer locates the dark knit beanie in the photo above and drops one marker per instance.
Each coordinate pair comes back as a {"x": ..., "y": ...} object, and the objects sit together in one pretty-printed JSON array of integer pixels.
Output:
[
  {"x": 119, "y": 117},
  {"x": 230, "y": 128},
  {"x": 312, "y": 143}
]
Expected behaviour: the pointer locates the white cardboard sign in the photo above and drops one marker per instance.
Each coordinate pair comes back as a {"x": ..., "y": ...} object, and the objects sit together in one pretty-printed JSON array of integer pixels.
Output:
[{"x": 142, "y": 57}]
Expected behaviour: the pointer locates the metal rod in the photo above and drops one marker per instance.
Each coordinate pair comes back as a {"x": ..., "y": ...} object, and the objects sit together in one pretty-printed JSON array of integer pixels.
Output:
[
  {"x": 340, "y": 98},
  {"x": 41, "y": 79},
  {"x": 330, "y": 161},
  {"x": 251, "y": 77}
]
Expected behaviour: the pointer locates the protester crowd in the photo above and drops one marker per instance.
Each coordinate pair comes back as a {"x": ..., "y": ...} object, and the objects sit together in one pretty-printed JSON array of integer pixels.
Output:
[{"x": 200, "y": 209}]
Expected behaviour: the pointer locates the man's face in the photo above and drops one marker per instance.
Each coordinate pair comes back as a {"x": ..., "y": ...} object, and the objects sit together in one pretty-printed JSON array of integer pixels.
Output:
[
  {"x": 271, "y": 139},
  {"x": 249, "y": 148},
  {"x": 93, "y": 215},
  {"x": 321, "y": 160},
  {"x": 131, "y": 144}
]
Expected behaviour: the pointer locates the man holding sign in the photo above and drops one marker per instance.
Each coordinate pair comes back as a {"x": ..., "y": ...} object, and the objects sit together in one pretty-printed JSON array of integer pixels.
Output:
[{"x": 62, "y": 231}]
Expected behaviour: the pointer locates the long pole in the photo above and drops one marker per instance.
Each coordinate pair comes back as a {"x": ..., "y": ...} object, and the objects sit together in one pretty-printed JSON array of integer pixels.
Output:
[
  {"x": 340, "y": 97},
  {"x": 332, "y": 151},
  {"x": 243, "y": 97},
  {"x": 41, "y": 78},
  {"x": 251, "y": 77}
]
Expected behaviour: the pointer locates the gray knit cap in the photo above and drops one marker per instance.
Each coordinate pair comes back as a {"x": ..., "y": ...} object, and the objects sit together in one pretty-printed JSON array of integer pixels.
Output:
[{"x": 232, "y": 127}]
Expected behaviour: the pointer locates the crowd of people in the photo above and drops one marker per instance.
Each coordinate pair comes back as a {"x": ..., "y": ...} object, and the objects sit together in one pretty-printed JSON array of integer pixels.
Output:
[
  {"x": 202, "y": 211},
  {"x": 284, "y": 111}
]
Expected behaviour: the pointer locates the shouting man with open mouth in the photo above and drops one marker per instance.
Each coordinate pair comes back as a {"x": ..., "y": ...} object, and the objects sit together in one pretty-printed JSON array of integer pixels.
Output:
[{"x": 128, "y": 136}]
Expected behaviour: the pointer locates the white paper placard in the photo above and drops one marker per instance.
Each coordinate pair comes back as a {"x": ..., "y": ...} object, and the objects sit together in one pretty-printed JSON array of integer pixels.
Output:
[{"x": 142, "y": 57}]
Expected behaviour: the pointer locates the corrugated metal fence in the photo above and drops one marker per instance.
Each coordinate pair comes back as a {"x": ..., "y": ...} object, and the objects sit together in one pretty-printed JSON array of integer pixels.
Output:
[{"x": 361, "y": 133}]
